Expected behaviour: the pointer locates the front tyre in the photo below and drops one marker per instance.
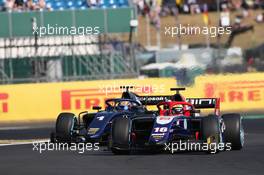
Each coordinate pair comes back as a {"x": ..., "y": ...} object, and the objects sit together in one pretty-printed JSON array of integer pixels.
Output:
[
  {"x": 234, "y": 132},
  {"x": 65, "y": 127},
  {"x": 53, "y": 137},
  {"x": 120, "y": 136}
]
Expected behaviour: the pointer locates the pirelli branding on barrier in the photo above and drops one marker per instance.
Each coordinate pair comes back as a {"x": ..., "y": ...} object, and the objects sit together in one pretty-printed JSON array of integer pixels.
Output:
[
  {"x": 46, "y": 100},
  {"x": 244, "y": 92},
  {"x": 3, "y": 102},
  {"x": 232, "y": 92},
  {"x": 77, "y": 99}
]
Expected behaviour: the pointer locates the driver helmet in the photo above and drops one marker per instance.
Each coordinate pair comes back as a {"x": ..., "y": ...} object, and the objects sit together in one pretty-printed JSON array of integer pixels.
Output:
[
  {"x": 125, "y": 105},
  {"x": 178, "y": 109}
]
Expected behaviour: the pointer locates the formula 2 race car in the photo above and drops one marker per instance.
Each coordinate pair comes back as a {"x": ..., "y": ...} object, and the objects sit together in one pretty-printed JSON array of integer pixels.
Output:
[
  {"x": 178, "y": 121},
  {"x": 95, "y": 127}
]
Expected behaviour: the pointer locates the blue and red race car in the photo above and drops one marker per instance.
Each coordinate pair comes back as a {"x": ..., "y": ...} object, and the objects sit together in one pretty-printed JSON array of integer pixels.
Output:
[
  {"x": 178, "y": 123},
  {"x": 125, "y": 124}
]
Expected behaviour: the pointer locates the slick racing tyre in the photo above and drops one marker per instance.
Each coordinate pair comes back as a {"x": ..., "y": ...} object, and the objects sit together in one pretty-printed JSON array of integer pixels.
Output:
[
  {"x": 234, "y": 132},
  {"x": 211, "y": 132},
  {"x": 120, "y": 136},
  {"x": 64, "y": 126},
  {"x": 53, "y": 137}
]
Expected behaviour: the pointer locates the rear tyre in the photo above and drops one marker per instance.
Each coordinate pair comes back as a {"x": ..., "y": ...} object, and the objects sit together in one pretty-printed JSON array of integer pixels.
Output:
[
  {"x": 64, "y": 126},
  {"x": 234, "y": 132},
  {"x": 210, "y": 126},
  {"x": 52, "y": 137},
  {"x": 120, "y": 136},
  {"x": 211, "y": 132}
]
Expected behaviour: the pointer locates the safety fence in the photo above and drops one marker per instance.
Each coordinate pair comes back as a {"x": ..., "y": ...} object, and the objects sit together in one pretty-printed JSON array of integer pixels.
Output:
[{"x": 54, "y": 46}]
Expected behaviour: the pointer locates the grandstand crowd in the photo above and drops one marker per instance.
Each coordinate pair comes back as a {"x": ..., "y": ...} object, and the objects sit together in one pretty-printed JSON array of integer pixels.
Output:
[
  {"x": 195, "y": 6},
  {"x": 28, "y": 5},
  {"x": 160, "y": 8},
  {"x": 152, "y": 8},
  {"x": 163, "y": 7}
]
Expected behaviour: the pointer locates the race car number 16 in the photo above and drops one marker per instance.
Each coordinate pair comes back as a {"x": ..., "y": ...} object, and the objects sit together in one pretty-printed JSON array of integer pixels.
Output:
[{"x": 160, "y": 129}]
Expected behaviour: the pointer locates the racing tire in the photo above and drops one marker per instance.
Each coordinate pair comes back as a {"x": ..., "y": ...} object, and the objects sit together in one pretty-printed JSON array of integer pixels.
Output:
[
  {"x": 210, "y": 130},
  {"x": 120, "y": 136},
  {"x": 234, "y": 132},
  {"x": 64, "y": 126},
  {"x": 52, "y": 137}
]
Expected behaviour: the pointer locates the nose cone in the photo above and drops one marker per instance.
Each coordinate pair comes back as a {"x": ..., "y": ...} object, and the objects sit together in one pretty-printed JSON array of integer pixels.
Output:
[{"x": 161, "y": 130}]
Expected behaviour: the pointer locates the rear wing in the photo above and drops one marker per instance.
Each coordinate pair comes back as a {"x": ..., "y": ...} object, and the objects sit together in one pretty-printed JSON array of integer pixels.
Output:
[
  {"x": 153, "y": 100},
  {"x": 205, "y": 103},
  {"x": 198, "y": 103}
]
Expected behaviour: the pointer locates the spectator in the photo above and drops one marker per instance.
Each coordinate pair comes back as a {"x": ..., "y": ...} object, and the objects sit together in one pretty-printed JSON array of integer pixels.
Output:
[
  {"x": 224, "y": 4},
  {"x": 140, "y": 6},
  {"x": 248, "y": 5},
  {"x": 260, "y": 18},
  {"x": 9, "y": 5},
  {"x": 258, "y": 3},
  {"x": 236, "y": 4},
  {"x": 42, "y": 5},
  {"x": 93, "y": 3},
  {"x": 179, "y": 5},
  {"x": 19, "y": 5},
  {"x": 31, "y": 5},
  {"x": 155, "y": 7},
  {"x": 225, "y": 16},
  {"x": 169, "y": 8},
  {"x": 194, "y": 7},
  {"x": 146, "y": 9}
]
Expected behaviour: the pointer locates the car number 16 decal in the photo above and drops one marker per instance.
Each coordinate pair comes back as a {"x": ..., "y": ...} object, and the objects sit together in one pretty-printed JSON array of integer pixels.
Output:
[{"x": 160, "y": 129}]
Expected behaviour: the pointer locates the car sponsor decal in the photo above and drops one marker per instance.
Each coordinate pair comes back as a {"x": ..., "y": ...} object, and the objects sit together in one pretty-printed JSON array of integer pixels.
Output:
[
  {"x": 93, "y": 130},
  {"x": 164, "y": 119},
  {"x": 158, "y": 136}
]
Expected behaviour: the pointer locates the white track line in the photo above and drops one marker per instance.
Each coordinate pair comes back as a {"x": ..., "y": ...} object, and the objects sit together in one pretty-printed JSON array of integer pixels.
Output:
[
  {"x": 23, "y": 127},
  {"x": 23, "y": 142}
]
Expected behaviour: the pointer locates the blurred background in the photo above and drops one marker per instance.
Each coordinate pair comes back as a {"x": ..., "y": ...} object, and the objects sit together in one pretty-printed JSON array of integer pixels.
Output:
[
  {"x": 44, "y": 75},
  {"x": 132, "y": 45},
  {"x": 132, "y": 40}
]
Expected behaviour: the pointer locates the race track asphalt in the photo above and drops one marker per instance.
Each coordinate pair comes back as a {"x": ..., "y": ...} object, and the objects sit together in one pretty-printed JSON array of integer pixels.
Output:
[{"x": 22, "y": 160}]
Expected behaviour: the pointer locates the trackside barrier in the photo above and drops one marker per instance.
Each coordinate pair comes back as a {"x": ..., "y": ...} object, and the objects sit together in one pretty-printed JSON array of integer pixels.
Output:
[
  {"x": 37, "y": 102},
  {"x": 28, "y": 102}
]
